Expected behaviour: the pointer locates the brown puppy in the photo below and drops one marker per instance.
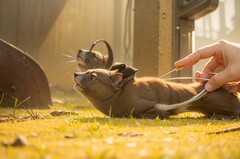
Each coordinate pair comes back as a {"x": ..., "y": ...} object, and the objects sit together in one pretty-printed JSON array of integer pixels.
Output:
[
  {"x": 89, "y": 59},
  {"x": 138, "y": 97}
]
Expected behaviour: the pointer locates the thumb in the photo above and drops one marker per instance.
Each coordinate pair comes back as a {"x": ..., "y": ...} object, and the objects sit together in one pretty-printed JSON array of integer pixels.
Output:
[{"x": 217, "y": 81}]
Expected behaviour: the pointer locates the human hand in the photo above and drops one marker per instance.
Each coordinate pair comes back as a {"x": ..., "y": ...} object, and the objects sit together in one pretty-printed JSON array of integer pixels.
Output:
[{"x": 223, "y": 54}]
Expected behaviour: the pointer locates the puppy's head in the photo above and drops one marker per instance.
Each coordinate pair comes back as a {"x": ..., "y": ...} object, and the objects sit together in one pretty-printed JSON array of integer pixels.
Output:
[
  {"x": 86, "y": 59},
  {"x": 98, "y": 84}
]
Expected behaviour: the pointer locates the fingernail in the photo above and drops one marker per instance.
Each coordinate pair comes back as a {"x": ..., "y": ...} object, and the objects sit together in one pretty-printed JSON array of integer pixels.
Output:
[{"x": 208, "y": 87}]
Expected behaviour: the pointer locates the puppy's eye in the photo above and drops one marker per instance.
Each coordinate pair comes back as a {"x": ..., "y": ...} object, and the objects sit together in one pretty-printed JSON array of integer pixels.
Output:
[{"x": 92, "y": 77}]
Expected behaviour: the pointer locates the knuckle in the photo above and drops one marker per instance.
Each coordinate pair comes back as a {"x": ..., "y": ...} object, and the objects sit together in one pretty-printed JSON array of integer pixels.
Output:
[{"x": 222, "y": 42}]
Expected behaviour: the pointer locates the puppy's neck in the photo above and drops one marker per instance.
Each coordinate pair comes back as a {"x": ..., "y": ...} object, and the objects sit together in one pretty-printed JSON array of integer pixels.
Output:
[{"x": 105, "y": 104}]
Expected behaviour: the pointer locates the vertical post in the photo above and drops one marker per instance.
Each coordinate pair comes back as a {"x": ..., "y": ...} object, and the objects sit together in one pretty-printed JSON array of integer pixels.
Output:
[
  {"x": 165, "y": 48},
  {"x": 182, "y": 42},
  {"x": 152, "y": 51},
  {"x": 145, "y": 37},
  {"x": 163, "y": 33},
  {"x": 185, "y": 12},
  {"x": 185, "y": 43}
]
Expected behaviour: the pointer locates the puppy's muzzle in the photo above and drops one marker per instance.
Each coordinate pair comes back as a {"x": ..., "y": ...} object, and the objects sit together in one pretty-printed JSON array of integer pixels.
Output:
[
  {"x": 78, "y": 77},
  {"x": 75, "y": 74}
]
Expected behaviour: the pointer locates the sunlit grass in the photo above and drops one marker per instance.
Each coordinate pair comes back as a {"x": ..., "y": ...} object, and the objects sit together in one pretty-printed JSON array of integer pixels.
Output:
[{"x": 94, "y": 135}]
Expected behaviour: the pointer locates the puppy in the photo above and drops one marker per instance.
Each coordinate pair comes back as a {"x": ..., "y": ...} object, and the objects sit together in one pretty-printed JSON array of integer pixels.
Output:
[
  {"x": 118, "y": 93},
  {"x": 89, "y": 59}
]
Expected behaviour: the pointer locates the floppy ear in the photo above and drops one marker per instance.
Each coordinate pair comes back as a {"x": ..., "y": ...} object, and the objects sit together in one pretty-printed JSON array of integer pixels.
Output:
[
  {"x": 129, "y": 71},
  {"x": 119, "y": 67},
  {"x": 116, "y": 78},
  {"x": 105, "y": 58}
]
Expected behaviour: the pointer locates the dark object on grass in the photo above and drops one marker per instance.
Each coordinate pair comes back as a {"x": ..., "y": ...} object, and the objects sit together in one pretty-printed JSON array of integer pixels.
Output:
[
  {"x": 225, "y": 131},
  {"x": 69, "y": 136},
  {"x": 131, "y": 134},
  {"x": 20, "y": 141},
  {"x": 21, "y": 77},
  {"x": 78, "y": 107},
  {"x": 63, "y": 112},
  {"x": 6, "y": 118}
]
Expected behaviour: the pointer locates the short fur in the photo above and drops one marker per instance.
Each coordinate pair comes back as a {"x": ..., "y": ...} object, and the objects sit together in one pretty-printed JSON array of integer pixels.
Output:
[
  {"x": 89, "y": 59},
  {"x": 137, "y": 97}
]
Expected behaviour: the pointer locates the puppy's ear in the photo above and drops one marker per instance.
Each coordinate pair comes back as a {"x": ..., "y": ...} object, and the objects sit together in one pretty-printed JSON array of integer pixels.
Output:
[
  {"x": 119, "y": 67},
  {"x": 105, "y": 58},
  {"x": 129, "y": 71},
  {"x": 116, "y": 78}
]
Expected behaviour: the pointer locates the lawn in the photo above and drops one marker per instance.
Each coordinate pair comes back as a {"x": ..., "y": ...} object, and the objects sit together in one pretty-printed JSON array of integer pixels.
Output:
[{"x": 90, "y": 134}]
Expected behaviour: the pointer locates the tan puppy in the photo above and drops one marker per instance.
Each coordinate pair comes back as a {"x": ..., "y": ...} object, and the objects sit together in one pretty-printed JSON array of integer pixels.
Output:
[
  {"x": 119, "y": 96},
  {"x": 89, "y": 59}
]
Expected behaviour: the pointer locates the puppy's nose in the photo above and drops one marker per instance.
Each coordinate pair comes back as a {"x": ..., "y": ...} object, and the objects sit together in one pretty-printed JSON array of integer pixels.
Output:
[
  {"x": 75, "y": 74},
  {"x": 80, "y": 52},
  {"x": 78, "y": 75}
]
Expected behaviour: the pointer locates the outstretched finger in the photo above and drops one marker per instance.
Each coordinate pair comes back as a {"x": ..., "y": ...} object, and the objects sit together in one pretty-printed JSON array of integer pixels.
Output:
[{"x": 202, "y": 53}]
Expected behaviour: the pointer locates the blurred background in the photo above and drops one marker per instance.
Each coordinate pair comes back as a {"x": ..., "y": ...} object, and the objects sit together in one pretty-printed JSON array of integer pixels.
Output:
[
  {"x": 223, "y": 23},
  {"x": 52, "y": 31}
]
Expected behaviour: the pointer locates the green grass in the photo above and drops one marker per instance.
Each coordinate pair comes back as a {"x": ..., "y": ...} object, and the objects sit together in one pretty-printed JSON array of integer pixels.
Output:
[{"x": 97, "y": 136}]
